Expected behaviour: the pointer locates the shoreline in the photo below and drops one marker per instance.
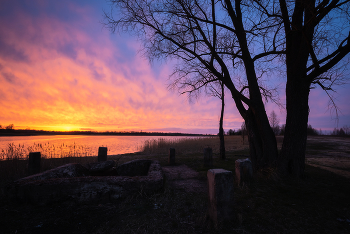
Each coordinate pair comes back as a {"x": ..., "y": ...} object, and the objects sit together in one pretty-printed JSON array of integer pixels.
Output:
[{"x": 20, "y": 132}]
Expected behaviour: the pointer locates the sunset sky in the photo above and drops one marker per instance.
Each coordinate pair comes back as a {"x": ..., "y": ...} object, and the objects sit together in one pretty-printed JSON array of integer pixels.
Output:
[{"x": 60, "y": 69}]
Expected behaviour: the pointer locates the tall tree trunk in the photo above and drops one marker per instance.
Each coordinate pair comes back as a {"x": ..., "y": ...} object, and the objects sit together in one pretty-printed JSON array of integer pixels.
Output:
[
  {"x": 262, "y": 141},
  {"x": 221, "y": 129},
  {"x": 292, "y": 157}
]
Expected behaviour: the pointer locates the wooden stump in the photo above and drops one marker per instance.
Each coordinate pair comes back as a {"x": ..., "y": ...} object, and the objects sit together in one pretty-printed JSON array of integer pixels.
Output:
[
  {"x": 102, "y": 154},
  {"x": 34, "y": 163},
  {"x": 172, "y": 156}
]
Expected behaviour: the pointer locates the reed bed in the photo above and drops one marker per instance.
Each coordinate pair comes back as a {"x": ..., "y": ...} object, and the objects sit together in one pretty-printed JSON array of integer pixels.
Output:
[
  {"x": 194, "y": 145},
  {"x": 47, "y": 150},
  {"x": 14, "y": 158}
]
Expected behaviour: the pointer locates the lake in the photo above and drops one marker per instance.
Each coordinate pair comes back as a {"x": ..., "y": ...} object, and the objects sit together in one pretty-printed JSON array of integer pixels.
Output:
[{"x": 73, "y": 145}]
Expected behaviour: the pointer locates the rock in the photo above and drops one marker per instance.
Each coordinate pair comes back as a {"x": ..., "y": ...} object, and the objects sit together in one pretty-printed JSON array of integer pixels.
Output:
[
  {"x": 137, "y": 167},
  {"x": 101, "y": 168},
  {"x": 66, "y": 171}
]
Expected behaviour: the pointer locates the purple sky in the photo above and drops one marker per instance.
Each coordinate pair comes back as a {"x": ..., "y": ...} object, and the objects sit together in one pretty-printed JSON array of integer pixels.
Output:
[{"x": 61, "y": 69}]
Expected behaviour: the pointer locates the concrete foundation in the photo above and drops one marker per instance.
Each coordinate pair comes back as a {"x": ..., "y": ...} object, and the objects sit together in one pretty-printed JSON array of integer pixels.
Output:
[{"x": 73, "y": 182}]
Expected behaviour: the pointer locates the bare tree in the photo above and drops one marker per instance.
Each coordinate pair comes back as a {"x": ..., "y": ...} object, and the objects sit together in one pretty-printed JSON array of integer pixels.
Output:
[
  {"x": 316, "y": 40},
  {"x": 243, "y": 131},
  {"x": 240, "y": 43},
  {"x": 220, "y": 94},
  {"x": 274, "y": 121}
]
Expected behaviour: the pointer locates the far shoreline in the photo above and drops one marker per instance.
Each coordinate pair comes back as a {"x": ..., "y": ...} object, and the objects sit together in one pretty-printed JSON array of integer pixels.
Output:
[{"x": 26, "y": 132}]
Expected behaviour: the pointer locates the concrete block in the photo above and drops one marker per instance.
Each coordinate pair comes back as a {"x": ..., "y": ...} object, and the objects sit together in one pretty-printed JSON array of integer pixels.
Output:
[
  {"x": 208, "y": 157},
  {"x": 244, "y": 171},
  {"x": 221, "y": 196}
]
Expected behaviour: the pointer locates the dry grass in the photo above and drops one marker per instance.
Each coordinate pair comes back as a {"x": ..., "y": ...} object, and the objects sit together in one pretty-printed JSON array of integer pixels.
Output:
[{"x": 185, "y": 146}]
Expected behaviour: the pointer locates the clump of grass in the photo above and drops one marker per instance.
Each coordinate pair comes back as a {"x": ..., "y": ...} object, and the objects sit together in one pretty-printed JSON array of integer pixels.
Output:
[{"x": 13, "y": 152}]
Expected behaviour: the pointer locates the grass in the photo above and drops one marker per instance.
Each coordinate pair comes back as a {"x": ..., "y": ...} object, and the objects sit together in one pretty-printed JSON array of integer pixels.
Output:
[{"x": 318, "y": 204}]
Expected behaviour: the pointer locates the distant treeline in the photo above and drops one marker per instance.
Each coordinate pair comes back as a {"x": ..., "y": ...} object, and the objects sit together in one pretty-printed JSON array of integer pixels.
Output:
[
  {"x": 344, "y": 131},
  {"x": 28, "y": 132},
  {"x": 279, "y": 130}
]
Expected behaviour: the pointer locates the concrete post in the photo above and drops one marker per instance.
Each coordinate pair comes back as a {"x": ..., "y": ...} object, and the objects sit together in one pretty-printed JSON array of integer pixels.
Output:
[
  {"x": 102, "y": 154},
  {"x": 244, "y": 171},
  {"x": 208, "y": 157},
  {"x": 220, "y": 185},
  {"x": 172, "y": 156},
  {"x": 34, "y": 163}
]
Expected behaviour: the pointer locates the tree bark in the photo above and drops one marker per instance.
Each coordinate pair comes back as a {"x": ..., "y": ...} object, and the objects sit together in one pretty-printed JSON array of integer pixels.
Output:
[
  {"x": 292, "y": 157},
  {"x": 262, "y": 141}
]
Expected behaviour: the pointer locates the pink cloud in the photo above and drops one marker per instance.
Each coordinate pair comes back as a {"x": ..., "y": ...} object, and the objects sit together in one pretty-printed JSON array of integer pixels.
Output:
[{"x": 68, "y": 76}]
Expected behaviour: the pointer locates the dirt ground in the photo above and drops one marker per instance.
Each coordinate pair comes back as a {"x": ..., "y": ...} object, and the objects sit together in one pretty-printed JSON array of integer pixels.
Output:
[{"x": 329, "y": 153}]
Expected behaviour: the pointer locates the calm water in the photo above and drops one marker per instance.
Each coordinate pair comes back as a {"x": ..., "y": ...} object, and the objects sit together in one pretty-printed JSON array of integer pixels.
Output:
[{"x": 68, "y": 145}]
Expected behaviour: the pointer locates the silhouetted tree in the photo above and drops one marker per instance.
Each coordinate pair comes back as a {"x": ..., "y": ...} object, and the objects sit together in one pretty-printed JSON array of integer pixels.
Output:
[
  {"x": 216, "y": 40},
  {"x": 221, "y": 128},
  {"x": 283, "y": 126},
  {"x": 10, "y": 127},
  {"x": 311, "y": 131},
  {"x": 243, "y": 131},
  {"x": 220, "y": 94},
  {"x": 274, "y": 121},
  {"x": 340, "y": 132}
]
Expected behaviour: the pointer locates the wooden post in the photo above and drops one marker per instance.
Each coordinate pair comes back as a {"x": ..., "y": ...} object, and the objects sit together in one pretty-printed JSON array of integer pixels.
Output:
[
  {"x": 34, "y": 163},
  {"x": 102, "y": 154},
  {"x": 208, "y": 157},
  {"x": 172, "y": 156}
]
